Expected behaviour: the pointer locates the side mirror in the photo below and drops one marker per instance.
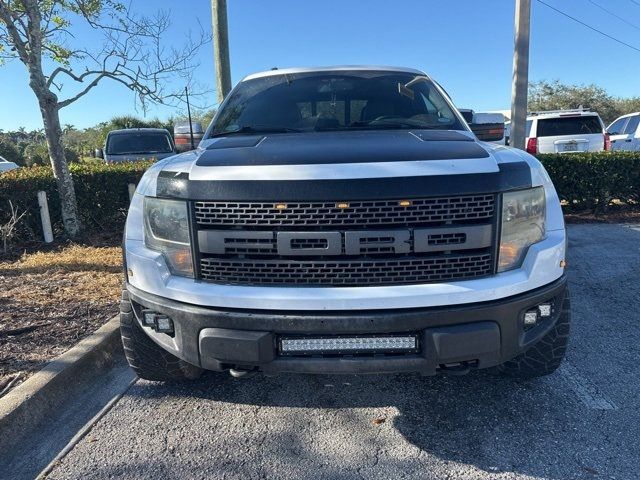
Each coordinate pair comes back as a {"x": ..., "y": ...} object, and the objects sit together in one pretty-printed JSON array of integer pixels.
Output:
[
  {"x": 98, "y": 153},
  {"x": 488, "y": 127},
  {"x": 467, "y": 114}
]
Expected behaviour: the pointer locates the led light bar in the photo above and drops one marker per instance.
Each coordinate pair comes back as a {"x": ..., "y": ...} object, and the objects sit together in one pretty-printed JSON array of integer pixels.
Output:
[{"x": 382, "y": 344}]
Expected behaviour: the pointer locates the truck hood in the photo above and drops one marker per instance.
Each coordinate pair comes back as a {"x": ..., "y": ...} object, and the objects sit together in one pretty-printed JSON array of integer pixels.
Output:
[
  {"x": 327, "y": 164},
  {"x": 319, "y": 148}
]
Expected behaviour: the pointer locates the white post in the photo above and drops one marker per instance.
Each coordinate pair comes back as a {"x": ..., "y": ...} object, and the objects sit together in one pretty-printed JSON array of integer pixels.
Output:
[
  {"x": 44, "y": 216},
  {"x": 132, "y": 191}
]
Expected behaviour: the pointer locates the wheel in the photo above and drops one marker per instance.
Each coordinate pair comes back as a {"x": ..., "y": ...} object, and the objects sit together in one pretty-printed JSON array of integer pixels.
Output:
[
  {"x": 544, "y": 357},
  {"x": 147, "y": 359}
]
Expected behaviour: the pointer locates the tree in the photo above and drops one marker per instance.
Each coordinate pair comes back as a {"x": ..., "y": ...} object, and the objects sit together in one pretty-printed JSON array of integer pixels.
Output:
[
  {"x": 40, "y": 32},
  {"x": 8, "y": 150},
  {"x": 545, "y": 95}
]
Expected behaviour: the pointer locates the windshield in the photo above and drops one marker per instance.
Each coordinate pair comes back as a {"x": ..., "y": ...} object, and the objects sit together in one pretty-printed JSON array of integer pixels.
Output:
[
  {"x": 557, "y": 127},
  {"x": 345, "y": 100},
  {"x": 139, "y": 142}
]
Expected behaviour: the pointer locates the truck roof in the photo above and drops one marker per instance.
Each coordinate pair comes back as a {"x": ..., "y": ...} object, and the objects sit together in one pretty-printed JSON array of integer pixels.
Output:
[
  {"x": 561, "y": 113},
  {"x": 336, "y": 68}
]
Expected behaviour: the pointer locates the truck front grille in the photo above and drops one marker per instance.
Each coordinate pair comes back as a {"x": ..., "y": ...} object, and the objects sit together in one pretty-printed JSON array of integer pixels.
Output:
[
  {"x": 363, "y": 214},
  {"x": 425, "y": 240},
  {"x": 346, "y": 272}
]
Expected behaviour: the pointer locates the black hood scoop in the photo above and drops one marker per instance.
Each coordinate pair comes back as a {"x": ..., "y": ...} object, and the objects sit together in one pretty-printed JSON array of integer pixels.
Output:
[{"x": 340, "y": 147}]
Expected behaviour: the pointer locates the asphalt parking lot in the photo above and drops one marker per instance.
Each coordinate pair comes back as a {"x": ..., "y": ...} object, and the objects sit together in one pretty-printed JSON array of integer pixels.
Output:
[{"x": 583, "y": 422}]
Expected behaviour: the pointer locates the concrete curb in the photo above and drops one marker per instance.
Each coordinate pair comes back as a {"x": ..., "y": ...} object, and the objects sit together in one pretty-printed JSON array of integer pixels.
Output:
[{"x": 24, "y": 407}]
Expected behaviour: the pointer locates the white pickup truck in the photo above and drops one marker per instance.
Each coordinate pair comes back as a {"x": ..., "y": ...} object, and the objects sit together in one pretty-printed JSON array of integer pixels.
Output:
[{"x": 344, "y": 220}]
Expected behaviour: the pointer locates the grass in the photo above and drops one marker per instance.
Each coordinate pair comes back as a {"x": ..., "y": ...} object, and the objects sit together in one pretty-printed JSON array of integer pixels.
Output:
[{"x": 51, "y": 299}]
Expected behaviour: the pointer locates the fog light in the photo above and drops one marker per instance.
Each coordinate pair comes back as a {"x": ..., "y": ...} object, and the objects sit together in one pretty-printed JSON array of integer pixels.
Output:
[
  {"x": 148, "y": 318},
  {"x": 164, "y": 324},
  {"x": 545, "y": 309},
  {"x": 530, "y": 318}
]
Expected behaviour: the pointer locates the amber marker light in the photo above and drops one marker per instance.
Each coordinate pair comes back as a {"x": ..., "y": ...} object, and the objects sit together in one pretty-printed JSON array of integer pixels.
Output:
[
  {"x": 405, "y": 203},
  {"x": 181, "y": 259},
  {"x": 342, "y": 205},
  {"x": 508, "y": 254},
  {"x": 281, "y": 206}
]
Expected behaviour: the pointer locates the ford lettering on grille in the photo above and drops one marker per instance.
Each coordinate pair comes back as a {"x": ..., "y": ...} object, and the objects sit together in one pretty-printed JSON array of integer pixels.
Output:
[{"x": 352, "y": 243}]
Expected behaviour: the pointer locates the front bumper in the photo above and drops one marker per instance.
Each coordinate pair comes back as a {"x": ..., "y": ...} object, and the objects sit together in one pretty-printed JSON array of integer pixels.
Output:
[{"x": 478, "y": 335}]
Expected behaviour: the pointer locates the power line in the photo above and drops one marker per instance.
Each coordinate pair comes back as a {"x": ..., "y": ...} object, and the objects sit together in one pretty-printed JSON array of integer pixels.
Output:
[
  {"x": 614, "y": 14},
  {"x": 634, "y": 1},
  {"x": 589, "y": 26}
]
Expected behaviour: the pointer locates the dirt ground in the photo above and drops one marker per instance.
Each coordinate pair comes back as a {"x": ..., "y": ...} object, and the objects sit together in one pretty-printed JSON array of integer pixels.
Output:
[
  {"x": 50, "y": 300},
  {"x": 613, "y": 216}
]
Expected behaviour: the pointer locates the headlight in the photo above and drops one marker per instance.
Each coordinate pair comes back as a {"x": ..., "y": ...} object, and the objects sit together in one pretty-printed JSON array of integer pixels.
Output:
[
  {"x": 166, "y": 229},
  {"x": 523, "y": 215}
]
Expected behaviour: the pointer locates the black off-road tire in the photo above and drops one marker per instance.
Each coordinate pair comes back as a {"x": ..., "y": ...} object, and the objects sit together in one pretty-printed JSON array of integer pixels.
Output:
[
  {"x": 544, "y": 357},
  {"x": 145, "y": 357}
]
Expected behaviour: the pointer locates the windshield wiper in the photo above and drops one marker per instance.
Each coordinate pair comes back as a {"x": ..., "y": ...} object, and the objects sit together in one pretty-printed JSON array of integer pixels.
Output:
[{"x": 250, "y": 129}]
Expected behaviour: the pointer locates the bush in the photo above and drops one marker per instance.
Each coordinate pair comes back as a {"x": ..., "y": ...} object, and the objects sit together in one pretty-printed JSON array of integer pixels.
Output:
[
  {"x": 101, "y": 192},
  {"x": 594, "y": 180},
  {"x": 583, "y": 181}
]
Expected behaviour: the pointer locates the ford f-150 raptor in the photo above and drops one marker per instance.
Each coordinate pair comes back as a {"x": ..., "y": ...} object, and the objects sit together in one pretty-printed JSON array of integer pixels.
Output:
[{"x": 344, "y": 220}]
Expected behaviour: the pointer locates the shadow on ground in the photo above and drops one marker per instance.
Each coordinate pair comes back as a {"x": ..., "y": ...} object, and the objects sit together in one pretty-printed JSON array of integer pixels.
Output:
[{"x": 493, "y": 423}]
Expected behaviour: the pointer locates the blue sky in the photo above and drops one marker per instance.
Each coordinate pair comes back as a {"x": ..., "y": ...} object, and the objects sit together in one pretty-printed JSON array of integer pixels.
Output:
[{"x": 466, "y": 45}]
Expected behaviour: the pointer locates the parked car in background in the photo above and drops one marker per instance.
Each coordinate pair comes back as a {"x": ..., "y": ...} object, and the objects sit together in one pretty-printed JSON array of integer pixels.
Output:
[
  {"x": 487, "y": 126},
  {"x": 625, "y": 133},
  {"x": 137, "y": 144},
  {"x": 566, "y": 131},
  {"x": 6, "y": 165},
  {"x": 182, "y": 136}
]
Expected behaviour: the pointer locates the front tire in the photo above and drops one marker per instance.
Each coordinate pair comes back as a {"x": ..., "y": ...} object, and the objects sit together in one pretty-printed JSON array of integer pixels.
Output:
[
  {"x": 146, "y": 358},
  {"x": 544, "y": 357}
]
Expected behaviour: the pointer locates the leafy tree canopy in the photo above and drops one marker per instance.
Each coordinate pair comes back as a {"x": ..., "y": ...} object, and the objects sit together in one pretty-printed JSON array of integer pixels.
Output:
[{"x": 555, "y": 95}]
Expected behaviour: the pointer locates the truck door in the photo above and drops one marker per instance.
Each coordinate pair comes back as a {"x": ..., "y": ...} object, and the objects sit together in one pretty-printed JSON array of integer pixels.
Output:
[
  {"x": 616, "y": 133},
  {"x": 630, "y": 140}
]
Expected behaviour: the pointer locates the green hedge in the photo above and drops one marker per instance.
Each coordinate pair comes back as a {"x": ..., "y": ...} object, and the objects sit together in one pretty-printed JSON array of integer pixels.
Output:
[
  {"x": 594, "y": 180},
  {"x": 584, "y": 181},
  {"x": 101, "y": 192}
]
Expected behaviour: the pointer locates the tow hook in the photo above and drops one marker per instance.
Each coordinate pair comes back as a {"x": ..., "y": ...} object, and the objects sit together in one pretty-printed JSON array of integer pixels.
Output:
[
  {"x": 458, "y": 368},
  {"x": 242, "y": 373}
]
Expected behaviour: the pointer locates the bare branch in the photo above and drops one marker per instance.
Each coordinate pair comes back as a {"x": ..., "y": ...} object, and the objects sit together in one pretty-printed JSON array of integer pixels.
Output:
[{"x": 142, "y": 64}]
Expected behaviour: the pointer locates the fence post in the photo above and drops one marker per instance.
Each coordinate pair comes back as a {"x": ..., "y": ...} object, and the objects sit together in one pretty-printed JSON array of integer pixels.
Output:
[
  {"x": 132, "y": 191},
  {"x": 44, "y": 216}
]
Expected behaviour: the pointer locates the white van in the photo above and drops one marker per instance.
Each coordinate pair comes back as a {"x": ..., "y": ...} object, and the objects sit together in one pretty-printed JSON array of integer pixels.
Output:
[
  {"x": 566, "y": 131},
  {"x": 625, "y": 133}
]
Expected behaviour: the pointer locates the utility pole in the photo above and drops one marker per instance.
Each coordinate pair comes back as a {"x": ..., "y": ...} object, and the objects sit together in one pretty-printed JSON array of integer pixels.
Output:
[
  {"x": 186, "y": 92},
  {"x": 221, "y": 47},
  {"x": 520, "y": 83}
]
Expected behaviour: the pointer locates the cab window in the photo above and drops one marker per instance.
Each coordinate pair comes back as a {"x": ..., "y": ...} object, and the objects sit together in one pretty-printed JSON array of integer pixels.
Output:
[
  {"x": 617, "y": 127},
  {"x": 632, "y": 125}
]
